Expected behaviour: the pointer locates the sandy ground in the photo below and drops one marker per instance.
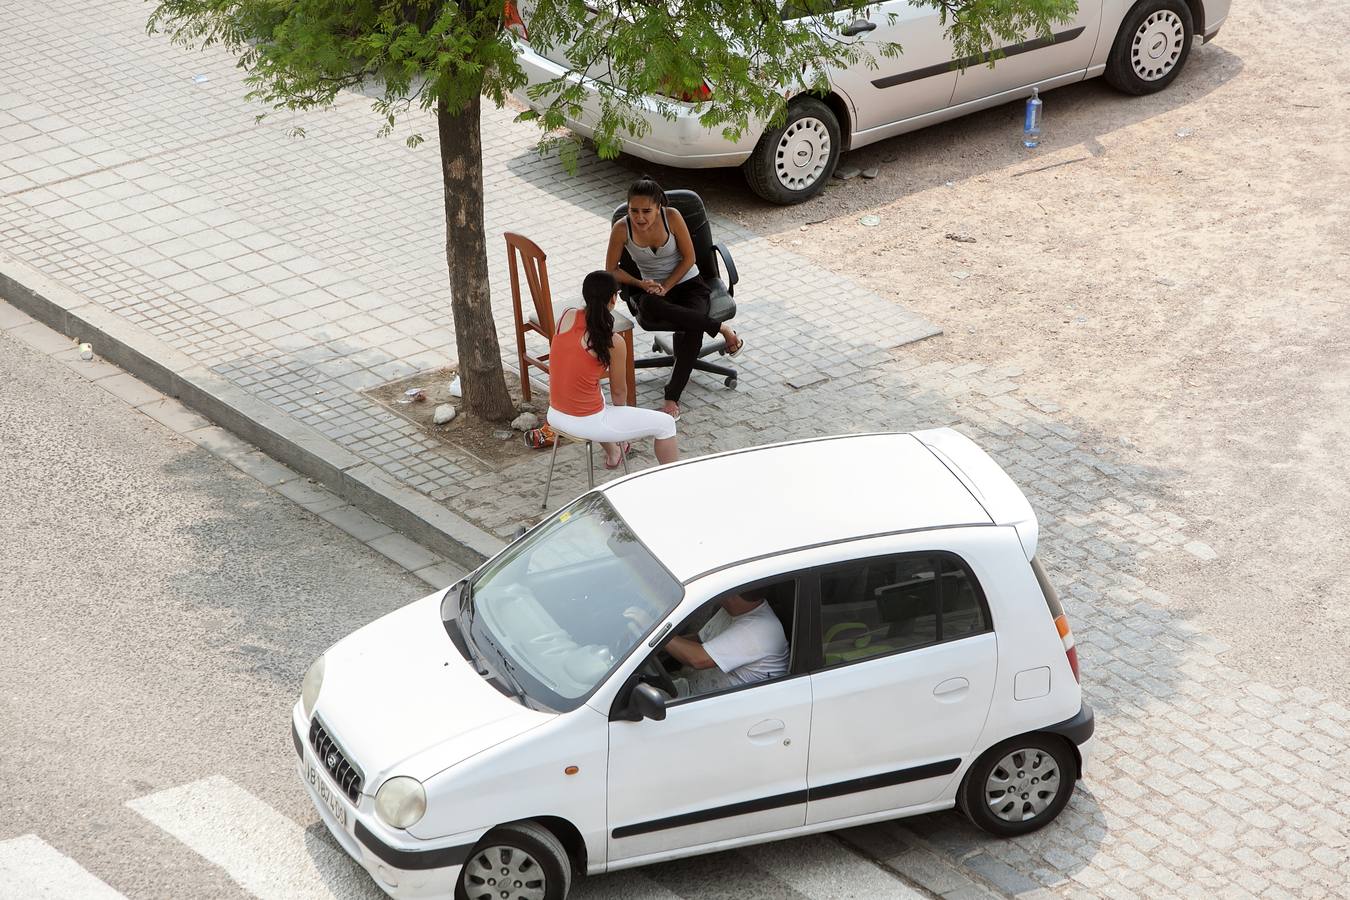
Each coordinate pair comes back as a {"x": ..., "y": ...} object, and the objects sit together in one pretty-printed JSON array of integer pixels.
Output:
[{"x": 1178, "y": 287}]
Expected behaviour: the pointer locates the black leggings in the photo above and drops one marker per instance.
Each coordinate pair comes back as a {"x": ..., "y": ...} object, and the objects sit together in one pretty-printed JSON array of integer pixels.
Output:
[{"x": 686, "y": 307}]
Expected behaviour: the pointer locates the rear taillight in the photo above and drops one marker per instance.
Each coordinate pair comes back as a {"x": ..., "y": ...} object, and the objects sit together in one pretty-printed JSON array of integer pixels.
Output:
[
  {"x": 513, "y": 22},
  {"x": 1070, "y": 650},
  {"x": 1057, "y": 613},
  {"x": 699, "y": 94}
]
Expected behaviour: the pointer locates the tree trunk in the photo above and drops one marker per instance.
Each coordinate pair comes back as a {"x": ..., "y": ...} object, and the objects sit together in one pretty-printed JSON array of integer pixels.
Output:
[{"x": 480, "y": 359}]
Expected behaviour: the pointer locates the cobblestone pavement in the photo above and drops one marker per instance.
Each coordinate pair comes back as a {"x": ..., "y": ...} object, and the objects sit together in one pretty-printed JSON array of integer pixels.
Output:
[{"x": 309, "y": 270}]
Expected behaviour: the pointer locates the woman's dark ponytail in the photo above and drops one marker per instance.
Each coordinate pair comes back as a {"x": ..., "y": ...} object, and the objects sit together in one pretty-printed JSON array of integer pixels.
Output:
[{"x": 596, "y": 290}]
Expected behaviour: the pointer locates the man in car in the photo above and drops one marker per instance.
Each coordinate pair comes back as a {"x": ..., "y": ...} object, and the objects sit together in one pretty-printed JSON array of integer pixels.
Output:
[{"x": 742, "y": 643}]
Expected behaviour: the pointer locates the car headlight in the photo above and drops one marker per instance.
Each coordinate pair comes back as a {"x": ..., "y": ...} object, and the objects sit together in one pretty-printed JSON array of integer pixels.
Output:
[
  {"x": 401, "y": 802},
  {"x": 309, "y": 688}
]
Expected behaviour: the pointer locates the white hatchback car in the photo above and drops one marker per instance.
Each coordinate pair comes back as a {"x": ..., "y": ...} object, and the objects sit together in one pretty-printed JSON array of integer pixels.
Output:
[
  {"x": 1139, "y": 45},
  {"x": 492, "y": 738}
]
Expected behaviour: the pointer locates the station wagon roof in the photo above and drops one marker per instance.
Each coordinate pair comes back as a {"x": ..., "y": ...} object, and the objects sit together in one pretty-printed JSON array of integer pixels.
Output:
[{"x": 703, "y": 514}]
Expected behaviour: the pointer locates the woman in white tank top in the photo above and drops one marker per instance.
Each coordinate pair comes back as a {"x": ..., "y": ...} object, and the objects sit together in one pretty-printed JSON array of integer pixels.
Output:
[{"x": 658, "y": 241}]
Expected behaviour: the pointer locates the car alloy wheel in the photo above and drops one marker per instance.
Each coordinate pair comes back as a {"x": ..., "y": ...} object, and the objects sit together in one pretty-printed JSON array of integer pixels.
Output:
[
  {"x": 519, "y": 861},
  {"x": 1022, "y": 785},
  {"x": 503, "y": 871},
  {"x": 803, "y": 153},
  {"x": 1157, "y": 45}
]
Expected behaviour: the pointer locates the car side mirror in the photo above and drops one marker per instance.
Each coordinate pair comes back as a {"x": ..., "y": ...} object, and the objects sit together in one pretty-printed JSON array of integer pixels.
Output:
[
  {"x": 859, "y": 26},
  {"x": 648, "y": 702}
]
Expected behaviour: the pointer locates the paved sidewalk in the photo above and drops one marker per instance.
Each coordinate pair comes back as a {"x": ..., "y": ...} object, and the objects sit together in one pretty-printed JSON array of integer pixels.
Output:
[{"x": 301, "y": 272}]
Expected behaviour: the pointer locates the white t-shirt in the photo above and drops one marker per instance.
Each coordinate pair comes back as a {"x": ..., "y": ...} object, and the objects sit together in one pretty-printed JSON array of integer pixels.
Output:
[{"x": 749, "y": 647}]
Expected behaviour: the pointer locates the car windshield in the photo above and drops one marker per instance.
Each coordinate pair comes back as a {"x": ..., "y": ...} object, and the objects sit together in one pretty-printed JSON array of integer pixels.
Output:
[{"x": 564, "y": 606}]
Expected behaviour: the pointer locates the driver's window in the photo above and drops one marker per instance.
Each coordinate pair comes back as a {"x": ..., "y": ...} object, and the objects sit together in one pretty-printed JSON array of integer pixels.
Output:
[{"x": 742, "y": 638}]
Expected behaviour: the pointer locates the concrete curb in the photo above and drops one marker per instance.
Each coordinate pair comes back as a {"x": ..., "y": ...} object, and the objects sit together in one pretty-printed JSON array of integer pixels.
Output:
[{"x": 304, "y": 449}]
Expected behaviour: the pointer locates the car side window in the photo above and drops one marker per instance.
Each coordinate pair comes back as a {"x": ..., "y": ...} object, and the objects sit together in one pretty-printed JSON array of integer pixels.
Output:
[
  {"x": 742, "y": 638},
  {"x": 890, "y": 604}
]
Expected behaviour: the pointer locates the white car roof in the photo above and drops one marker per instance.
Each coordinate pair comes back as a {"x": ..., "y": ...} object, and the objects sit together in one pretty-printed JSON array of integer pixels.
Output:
[{"x": 714, "y": 511}]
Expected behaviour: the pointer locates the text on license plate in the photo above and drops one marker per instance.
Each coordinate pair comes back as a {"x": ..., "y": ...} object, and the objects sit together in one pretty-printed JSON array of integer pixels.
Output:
[{"x": 329, "y": 797}]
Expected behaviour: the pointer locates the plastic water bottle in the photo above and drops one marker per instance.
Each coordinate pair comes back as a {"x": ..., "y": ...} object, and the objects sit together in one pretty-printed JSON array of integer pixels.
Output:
[{"x": 1031, "y": 128}]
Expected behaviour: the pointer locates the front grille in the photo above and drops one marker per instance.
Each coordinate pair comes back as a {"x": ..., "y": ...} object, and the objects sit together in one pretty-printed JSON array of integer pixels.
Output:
[{"x": 331, "y": 757}]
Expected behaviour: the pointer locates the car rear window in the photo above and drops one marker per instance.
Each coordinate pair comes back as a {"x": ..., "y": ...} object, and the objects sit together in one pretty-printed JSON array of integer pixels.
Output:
[{"x": 1048, "y": 589}]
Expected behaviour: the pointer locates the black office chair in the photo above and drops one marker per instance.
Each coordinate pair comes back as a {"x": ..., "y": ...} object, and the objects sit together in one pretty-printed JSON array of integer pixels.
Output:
[{"x": 722, "y": 306}]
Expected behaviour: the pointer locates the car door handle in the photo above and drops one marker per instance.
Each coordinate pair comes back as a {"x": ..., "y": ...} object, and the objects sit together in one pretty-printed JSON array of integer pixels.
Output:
[
  {"x": 858, "y": 27},
  {"x": 951, "y": 689},
  {"x": 767, "y": 728}
]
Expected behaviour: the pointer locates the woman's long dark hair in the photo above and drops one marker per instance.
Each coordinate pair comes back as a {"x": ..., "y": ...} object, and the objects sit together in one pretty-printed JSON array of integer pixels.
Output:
[
  {"x": 596, "y": 290},
  {"x": 646, "y": 186}
]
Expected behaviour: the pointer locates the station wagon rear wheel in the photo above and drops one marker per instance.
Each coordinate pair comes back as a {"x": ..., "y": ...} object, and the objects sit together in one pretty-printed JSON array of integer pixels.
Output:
[
  {"x": 1019, "y": 785},
  {"x": 520, "y": 861},
  {"x": 1151, "y": 46},
  {"x": 792, "y": 162}
]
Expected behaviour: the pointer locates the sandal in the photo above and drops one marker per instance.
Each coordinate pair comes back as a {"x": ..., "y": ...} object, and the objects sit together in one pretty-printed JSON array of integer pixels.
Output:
[
  {"x": 740, "y": 345},
  {"x": 624, "y": 449},
  {"x": 540, "y": 438},
  {"x": 674, "y": 415}
]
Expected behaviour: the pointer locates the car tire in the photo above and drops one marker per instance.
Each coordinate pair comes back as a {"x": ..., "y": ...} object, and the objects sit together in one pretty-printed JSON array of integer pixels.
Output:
[
  {"x": 1151, "y": 47},
  {"x": 1019, "y": 785},
  {"x": 792, "y": 163},
  {"x": 515, "y": 861}
]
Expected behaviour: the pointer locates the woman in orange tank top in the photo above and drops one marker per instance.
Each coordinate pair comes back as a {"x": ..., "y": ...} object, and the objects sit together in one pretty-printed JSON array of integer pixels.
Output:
[{"x": 583, "y": 344}]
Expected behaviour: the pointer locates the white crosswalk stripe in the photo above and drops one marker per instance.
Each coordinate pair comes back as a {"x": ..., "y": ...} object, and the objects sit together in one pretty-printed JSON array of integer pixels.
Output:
[
  {"x": 264, "y": 852},
  {"x": 32, "y": 869}
]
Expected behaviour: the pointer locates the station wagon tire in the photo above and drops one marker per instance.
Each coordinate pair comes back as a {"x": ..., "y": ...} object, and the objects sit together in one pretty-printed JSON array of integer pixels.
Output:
[
  {"x": 1151, "y": 47},
  {"x": 520, "y": 861},
  {"x": 792, "y": 162},
  {"x": 1019, "y": 785}
]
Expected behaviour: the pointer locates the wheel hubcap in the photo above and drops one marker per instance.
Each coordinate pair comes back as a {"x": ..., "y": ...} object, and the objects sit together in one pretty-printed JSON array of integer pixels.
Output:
[
  {"x": 802, "y": 153},
  {"x": 1157, "y": 45},
  {"x": 1022, "y": 785},
  {"x": 504, "y": 873}
]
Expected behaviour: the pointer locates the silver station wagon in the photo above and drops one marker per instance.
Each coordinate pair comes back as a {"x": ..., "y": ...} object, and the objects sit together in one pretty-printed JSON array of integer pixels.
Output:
[{"x": 1138, "y": 45}]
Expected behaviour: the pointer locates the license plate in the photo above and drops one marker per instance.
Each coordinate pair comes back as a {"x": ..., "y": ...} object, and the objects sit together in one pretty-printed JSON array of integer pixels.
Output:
[{"x": 328, "y": 796}]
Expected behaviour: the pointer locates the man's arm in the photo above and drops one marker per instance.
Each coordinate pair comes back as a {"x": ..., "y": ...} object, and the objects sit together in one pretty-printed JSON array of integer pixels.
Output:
[{"x": 691, "y": 653}]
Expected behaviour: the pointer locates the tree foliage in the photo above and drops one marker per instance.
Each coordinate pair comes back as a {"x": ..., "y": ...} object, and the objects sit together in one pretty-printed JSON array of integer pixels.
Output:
[
  {"x": 754, "y": 53},
  {"x": 432, "y": 56}
]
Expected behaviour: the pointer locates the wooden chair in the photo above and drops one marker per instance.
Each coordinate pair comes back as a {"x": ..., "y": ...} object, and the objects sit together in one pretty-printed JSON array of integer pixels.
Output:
[{"x": 523, "y": 253}]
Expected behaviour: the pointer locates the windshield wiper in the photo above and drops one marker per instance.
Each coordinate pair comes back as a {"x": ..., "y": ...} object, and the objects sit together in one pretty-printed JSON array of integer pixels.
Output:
[{"x": 506, "y": 669}]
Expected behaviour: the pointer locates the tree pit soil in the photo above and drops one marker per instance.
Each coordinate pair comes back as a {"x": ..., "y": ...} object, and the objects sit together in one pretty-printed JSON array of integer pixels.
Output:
[{"x": 465, "y": 433}]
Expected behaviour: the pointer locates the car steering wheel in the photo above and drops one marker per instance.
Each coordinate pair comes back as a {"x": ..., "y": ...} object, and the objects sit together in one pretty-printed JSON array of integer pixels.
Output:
[{"x": 655, "y": 669}]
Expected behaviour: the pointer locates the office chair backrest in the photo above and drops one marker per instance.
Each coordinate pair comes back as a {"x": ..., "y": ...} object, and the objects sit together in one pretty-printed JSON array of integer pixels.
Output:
[{"x": 695, "y": 215}]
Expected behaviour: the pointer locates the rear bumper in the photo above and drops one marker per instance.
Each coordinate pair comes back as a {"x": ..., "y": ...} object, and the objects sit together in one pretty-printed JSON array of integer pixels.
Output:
[
  {"x": 406, "y": 873},
  {"x": 1078, "y": 729},
  {"x": 682, "y": 143}
]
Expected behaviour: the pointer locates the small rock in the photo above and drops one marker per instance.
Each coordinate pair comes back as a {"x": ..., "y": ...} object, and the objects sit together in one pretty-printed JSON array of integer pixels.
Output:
[
  {"x": 960, "y": 237},
  {"x": 1201, "y": 550},
  {"x": 871, "y": 173},
  {"x": 803, "y": 228},
  {"x": 1185, "y": 132},
  {"x": 961, "y": 275},
  {"x": 950, "y": 183},
  {"x": 444, "y": 413},
  {"x": 503, "y": 434},
  {"x": 455, "y": 389},
  {"x": 1166, "y": 282},
  {"x": 844, "y": 173},
  {"x": 525, "y": 421}
]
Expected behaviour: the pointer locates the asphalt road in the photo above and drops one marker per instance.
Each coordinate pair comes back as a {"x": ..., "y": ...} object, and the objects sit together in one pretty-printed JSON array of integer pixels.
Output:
[{"x": 157, "y": 611}]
